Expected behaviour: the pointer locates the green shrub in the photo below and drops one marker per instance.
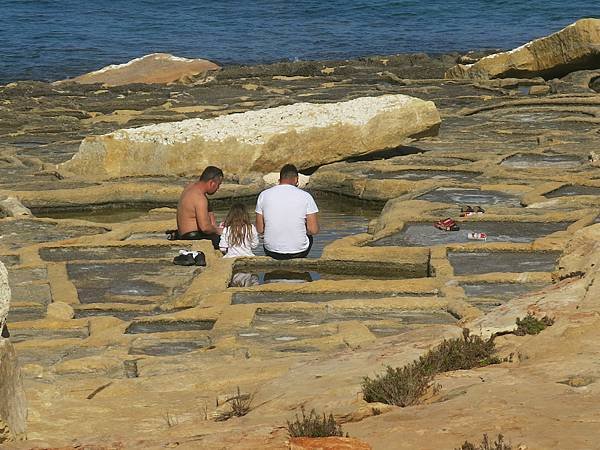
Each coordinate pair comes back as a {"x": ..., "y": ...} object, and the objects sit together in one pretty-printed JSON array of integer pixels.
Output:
[
  {"x": 532, "y": 325},
  {"x": 406, "y": 385},
  {"x": 314, "y": 425},
  {"x": 486, "y": 445},
  {"x": 400, "y": 386},
  {"x": 461, "y": 354}
]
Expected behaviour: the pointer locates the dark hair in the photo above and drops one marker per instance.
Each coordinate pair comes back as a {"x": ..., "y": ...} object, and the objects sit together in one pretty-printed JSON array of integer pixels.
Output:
[
  {"x": 288, "y": 171},
  {"x": 210, "y": 173},
  {"x": 240, "y": 227}
]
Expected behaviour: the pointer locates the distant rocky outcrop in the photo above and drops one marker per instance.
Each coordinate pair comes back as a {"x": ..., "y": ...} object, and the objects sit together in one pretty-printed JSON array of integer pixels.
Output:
[
  {"x": 160, "y": 68},
  {"x": 306, "y": 134},
  {"x": 13, "y": 409},
  {"x": 12, "y": 207},
  {"x": 576, "y": 47}
]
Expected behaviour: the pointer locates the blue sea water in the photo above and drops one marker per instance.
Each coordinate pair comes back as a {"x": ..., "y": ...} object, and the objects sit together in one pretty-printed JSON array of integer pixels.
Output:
[{"x": 53, "y": 39}]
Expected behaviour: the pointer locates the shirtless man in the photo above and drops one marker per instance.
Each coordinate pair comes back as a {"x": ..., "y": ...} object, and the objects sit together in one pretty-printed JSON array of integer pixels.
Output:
[{"x": 194, "y": 219}]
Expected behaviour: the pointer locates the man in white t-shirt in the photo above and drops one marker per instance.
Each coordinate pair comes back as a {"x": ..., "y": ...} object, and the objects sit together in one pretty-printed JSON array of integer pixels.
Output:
[{"x": 287, "y": 216}]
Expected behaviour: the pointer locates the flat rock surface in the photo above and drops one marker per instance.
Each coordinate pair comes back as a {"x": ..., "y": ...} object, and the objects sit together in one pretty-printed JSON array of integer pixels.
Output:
[{"x": 142, "y": 352}]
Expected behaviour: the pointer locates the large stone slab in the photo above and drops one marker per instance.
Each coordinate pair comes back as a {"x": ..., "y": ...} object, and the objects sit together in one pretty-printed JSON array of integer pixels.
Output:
[
  {"x": 4, "y": 295},
  {"x": 13, "y": 405},
  {"x": 306, "y": 134},
  {"x": 153, "y": 68},
  {"x": 13, "y": 409},
  {"x": 575, "y": 47}
]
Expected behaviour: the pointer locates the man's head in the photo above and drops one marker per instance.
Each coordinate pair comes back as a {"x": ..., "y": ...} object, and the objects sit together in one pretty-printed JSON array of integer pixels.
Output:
[
  {"x": 288, "y": 175},
  {"x": 212, "y": 178}
]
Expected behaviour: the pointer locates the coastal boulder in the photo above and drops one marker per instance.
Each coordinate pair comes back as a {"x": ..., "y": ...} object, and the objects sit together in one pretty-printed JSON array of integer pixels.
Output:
[
  {"x": 13, "y": 408},
  {"x": 12, "y": 207},
  {"x": 306, "y": 134},
  {"x": 4, "y": 294},
  {"x": 160, "y": 68},
  {"x": 576, "y": 47}
]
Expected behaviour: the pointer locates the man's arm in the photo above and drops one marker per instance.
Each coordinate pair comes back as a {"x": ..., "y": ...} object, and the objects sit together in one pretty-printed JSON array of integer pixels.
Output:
[
  {"x": 203, "y": 219},
  {"x": 312, "y": 224},
  {"x": 260, "y": 223}
]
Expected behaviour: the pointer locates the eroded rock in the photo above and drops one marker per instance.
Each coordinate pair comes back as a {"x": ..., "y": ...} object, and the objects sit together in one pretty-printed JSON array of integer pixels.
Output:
[
  {"x": 258, "y": 141},
  {"x": 11, "y": 207},
  {"x": 328, "y": 443},
  {"x": 13, "y": 409},
  {"x": 4, "y": 295},
  {"x": 575, "y": 47},
  {"x": 13, "y": 406},
  {"x": 157, "y": 68}
]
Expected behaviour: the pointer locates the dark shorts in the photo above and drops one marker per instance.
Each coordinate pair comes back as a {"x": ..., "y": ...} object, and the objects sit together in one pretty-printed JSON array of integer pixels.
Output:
[
  {"x": 196, "y": 236},
  {"x": 283, "y": 256}
]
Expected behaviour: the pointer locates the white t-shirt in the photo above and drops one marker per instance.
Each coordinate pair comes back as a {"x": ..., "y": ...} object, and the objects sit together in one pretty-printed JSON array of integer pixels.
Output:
[
  {"x": 284, "y": 208},
  {"x": 238, "y": 250}
]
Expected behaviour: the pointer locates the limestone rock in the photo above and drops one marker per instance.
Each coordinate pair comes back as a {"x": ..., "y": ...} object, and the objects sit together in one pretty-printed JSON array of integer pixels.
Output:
[
  {"x": 13, "y": 407},
  {"x": 149, "y": 69},
  {"x": 539, "y": 90},
  {"x": 5, "y": 433},
  {"x": 11, "y": 207},
  {"x": 305, "y": 134},
  {"x": 328, "y": 443},
  {"x": 60, "y": 311},
  {"x": 4, "y": 295},
  {"x": 575, "y": 47}
]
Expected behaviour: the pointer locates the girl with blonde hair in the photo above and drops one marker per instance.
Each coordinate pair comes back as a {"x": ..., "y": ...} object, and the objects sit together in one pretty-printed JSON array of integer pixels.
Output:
[{"x": 239, "y": 235}]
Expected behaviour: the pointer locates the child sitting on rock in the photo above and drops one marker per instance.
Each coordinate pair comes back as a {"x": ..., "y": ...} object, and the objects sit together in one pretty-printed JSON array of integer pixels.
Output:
[{"x": 239, "y": 236}]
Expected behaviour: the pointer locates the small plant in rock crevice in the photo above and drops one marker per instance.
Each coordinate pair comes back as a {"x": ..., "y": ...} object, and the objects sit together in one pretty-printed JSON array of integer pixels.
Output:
[
  {"x": 170, "y": 419},
  {"x": 240, "y": 405},
  {"x": 404, "y": 386},
  {"x": 313, "y": 425},
  {"x": 499, "y": 444},
  {"x": 532, "y": 325}
]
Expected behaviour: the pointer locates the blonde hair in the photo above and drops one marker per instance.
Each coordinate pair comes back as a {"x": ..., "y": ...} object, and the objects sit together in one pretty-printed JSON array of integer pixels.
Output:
[{"x": 238, "y": 222}]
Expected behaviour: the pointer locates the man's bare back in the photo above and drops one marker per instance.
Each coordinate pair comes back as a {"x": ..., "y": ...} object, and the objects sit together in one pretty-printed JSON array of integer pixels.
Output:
[{"x": 192, "y": 210}]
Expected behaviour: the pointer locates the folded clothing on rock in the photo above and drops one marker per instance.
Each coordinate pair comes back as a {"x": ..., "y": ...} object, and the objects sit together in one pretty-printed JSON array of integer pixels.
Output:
[{"x": 190, "y": 258}]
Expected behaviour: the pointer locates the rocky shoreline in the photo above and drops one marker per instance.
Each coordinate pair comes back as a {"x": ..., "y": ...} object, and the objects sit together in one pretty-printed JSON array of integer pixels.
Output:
[{"x": 120, "y": 349}]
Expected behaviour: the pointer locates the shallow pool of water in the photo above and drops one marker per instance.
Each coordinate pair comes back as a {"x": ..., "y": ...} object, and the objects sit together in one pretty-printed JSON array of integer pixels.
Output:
[
  {"x": 471, "y": 197},
  {"x": 338, "y": 217},
  {"x": 244, "y": 298},
  {"x": 573, "y": 190},
  {"x": 526, "y": 161},
  {"x": 425, "y": 234},
  {"x": 420, "y": 174},
  {"x": 110, "y": 214},
  {"x": 470, "y": 263},
  {"x": 163, "y": 326}
]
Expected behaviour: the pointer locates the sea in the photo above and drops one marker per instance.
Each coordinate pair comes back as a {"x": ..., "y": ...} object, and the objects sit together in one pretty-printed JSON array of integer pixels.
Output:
[{"x": 56, "y": 39}]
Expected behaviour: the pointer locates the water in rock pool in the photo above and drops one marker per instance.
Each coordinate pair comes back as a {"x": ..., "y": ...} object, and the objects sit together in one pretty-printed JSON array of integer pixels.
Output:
[{"x": 338, "y": 217}]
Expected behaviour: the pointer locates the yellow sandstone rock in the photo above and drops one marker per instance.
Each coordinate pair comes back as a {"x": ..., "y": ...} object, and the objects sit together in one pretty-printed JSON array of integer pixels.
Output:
[
  {"x": 153, "y": 68},
  {"x": 575, "y": 47},
  {"x": 258, "y": 141}
]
